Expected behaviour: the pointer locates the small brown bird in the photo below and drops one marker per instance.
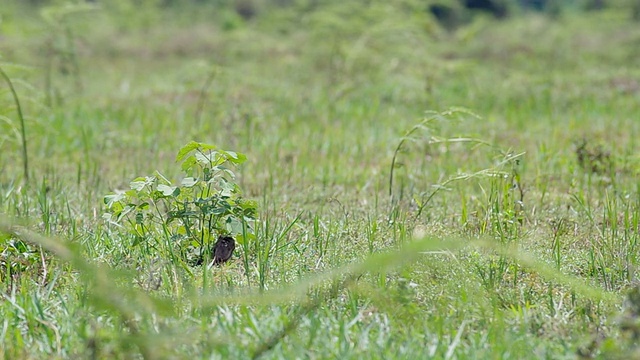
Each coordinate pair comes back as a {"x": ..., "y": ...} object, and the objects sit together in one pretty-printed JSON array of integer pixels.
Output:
[{"x": 223, "y": 249}]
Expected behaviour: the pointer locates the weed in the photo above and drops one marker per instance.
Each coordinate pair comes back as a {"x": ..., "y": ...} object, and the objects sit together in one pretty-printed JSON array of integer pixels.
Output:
[
  {"x": 23, "y": 131},
  {"x": 188, "y": 216}
]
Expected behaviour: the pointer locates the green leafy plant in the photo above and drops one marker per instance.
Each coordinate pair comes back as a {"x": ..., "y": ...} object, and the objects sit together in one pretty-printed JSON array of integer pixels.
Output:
[{"x": 191, "y": 215}]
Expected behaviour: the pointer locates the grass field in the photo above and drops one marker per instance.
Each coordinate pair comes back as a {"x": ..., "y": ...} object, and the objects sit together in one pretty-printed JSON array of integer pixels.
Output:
[{"x": 420, "y": 193}]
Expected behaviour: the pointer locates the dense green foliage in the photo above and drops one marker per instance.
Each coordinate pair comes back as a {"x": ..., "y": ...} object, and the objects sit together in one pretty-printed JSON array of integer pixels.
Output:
[
  {"x": 409, "y": 191},
  {"x": 189, "y": 216}
]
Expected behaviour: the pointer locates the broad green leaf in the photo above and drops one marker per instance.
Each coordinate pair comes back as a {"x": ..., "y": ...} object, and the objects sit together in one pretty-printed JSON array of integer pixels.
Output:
[
  {"x": 233, "y": 225},
  {"x": 229, "y": 173},
  {"x": 225, "y": 170},
  {"x": 189, "y": 181},
  {"x": 205, "y": 159},
  {"x": 188, "y": 163},
  {"x": 249, "y": 209},
  {"x": 167, "y": 190},
  {"x": 227, "y": 188},
  {"x": 109, "y": 200},
  {"x": 185, "y": 150},
  {"x": 236, "y": 158},
  {"x": 204, "y": 146},
  {"x": 137, "y": 184},
  {"x": 249, "y": 237},
  {"x": 248, "y": 204},
  {"x": 116, "y": 208},
  {"x": 143, "y": 206},
  {"x": 140, "y": 182},
  {"x": 213, "y": 158}
]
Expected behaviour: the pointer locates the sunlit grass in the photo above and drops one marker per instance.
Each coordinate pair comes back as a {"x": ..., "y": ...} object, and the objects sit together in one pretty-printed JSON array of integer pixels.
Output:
[{"x": 389, "y": 225}]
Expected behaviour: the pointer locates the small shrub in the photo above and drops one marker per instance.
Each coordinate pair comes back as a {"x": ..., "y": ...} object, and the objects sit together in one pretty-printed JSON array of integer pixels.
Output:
[{"x": 189, "y": 216}]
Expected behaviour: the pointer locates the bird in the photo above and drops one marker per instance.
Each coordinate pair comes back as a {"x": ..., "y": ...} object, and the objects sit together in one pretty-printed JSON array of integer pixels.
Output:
[{"x": 223, "y": 249}]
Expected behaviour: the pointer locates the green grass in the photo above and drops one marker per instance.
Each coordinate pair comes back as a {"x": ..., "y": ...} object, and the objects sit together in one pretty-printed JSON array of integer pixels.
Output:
[{"x": 519, "y": 242}]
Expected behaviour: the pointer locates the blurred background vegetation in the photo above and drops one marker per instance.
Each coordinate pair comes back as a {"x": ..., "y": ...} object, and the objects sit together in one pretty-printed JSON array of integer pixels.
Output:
[{"x": 232, "y": 13}]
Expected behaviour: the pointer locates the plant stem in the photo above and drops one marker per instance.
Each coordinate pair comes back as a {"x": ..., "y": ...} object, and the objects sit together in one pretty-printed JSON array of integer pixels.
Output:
[{"x": 25, "y": 161}]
